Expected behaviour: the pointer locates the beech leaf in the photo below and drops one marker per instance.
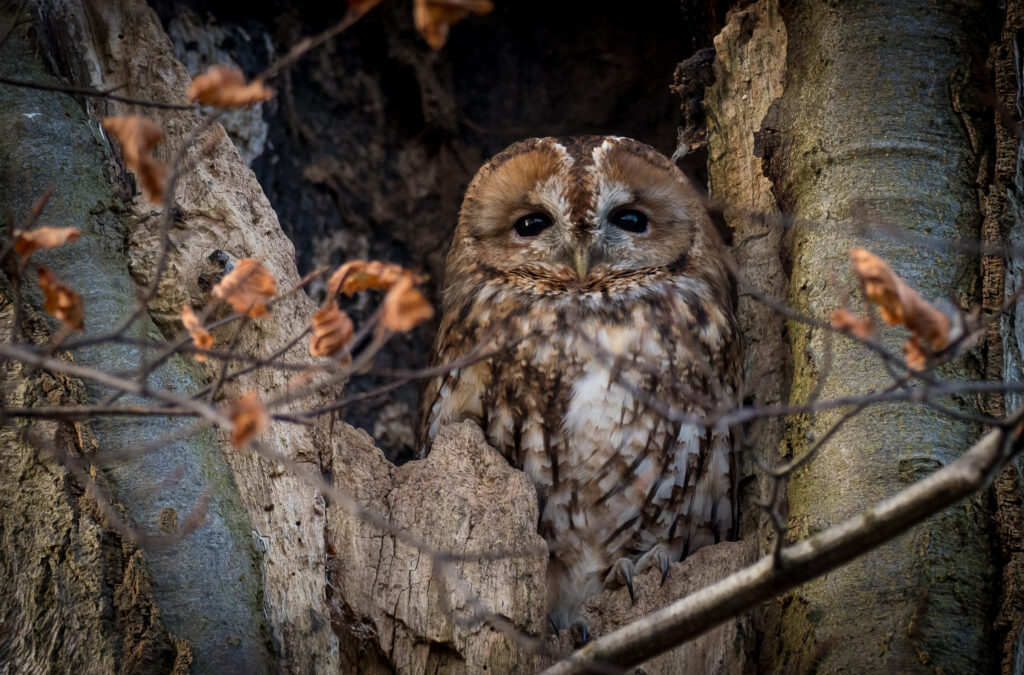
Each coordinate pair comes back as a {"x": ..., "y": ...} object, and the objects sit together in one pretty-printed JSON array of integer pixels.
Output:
[
  {"x": 249, "y": 417},
  {"x": 225, "y": 87},
  {"x": 404, "y": 306},
  {"x": 137, "y": 137},
  {"x": 332, "y": 330},
  {"x": 247, "y": 287},
  {"x": 25, "y": 243},
  {"x": 434, "y": 18},
  {"x": 200, "y": 336},
  {"x": 60, "y": 301}
]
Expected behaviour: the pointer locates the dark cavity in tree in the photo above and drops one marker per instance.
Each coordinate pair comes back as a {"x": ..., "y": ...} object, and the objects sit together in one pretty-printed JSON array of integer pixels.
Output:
[{"x": 374, "y": 138}]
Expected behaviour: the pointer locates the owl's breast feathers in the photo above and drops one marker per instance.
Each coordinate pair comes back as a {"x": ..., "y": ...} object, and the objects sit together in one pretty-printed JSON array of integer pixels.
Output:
[{"x": 603, "y": 407}]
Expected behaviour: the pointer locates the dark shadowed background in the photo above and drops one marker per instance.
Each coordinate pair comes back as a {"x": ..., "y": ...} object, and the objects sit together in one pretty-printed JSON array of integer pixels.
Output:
[{"x": 368, "y": 149}]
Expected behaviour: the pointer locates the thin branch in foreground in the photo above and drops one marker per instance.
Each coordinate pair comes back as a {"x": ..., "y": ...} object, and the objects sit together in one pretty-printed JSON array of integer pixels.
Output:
[
  {"x": 698, "y": 613},
  {"x": 92, "y": 93}
]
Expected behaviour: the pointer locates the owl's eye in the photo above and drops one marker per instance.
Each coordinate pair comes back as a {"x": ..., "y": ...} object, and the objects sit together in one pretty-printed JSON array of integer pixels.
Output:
[
  {"x": 629, "y": 220},
  {"x": 533, "y": 224}
]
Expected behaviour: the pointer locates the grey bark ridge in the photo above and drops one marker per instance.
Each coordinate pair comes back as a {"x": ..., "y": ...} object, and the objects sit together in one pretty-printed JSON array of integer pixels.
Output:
[
  {"x": 867, "y": 130},
  {"x": 208, "y": 585}
]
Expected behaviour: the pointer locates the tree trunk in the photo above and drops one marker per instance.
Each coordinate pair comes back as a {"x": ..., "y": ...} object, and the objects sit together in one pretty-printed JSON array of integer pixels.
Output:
[{"x": 874, "y": 123}]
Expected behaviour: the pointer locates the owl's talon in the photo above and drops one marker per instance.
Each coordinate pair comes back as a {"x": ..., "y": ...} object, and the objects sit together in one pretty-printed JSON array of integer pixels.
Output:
[
  {"x": 660, "y": 553},
  {"x": 621, "y": 574},
  {"x": 554, "y": 622},
  {"x": 580, "y": 631}
]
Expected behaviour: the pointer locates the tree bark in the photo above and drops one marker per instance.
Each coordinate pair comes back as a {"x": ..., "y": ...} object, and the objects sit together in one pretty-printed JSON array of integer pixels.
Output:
[
  {"x": 53, "y": 143},
  {"x": 874, "y": 125}
]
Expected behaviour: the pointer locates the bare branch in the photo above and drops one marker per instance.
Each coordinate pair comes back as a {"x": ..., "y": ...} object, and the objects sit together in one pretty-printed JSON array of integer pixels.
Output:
[{"x": 696, "y": 614}]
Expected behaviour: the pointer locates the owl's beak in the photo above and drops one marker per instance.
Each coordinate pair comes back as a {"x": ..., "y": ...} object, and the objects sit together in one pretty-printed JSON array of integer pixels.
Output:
[{"x": 582, "y": 262}]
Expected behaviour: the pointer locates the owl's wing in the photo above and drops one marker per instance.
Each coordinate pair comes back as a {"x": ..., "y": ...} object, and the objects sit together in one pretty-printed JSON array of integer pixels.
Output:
[{"x": 444, "y": 397}]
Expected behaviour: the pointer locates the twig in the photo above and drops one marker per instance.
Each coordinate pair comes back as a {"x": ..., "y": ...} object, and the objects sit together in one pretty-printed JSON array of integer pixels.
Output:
[{"x": 92, "y": 93}]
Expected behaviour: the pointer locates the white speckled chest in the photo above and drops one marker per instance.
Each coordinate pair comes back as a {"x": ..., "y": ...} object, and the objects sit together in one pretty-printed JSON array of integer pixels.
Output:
[{"x": 605, "y": 418}]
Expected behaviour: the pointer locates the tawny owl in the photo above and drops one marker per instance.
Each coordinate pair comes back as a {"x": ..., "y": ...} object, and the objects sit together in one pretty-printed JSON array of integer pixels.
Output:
[{"x": 587, "y": 271}]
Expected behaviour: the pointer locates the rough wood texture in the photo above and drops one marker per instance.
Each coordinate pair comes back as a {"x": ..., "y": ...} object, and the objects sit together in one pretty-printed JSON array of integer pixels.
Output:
[
  {"x": 392, "y": 598},
  {"x": 392, "y": 609},
  {"x": 749, "y": 67},
  {"x": 63, "y": 572},
  {"x": 1003, "y": 225},
  {"x": 749, "y": 71},
  {"x": 220, "y": 208},
  {"x": 868, "y": 128},
  {"x": 51, "y": 142},
  {"x": 337, "y": 595}
]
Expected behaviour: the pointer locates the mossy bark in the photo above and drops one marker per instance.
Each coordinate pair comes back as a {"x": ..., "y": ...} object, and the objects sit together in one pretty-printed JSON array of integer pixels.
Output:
[
  {"x": 875, "y": 122},
  {"x": 207, "y": 586},
  {"x": 877, "y": 126}
]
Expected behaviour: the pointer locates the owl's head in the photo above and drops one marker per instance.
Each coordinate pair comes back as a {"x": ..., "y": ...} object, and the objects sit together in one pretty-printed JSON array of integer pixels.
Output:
[{"x": 580, "y": 216}]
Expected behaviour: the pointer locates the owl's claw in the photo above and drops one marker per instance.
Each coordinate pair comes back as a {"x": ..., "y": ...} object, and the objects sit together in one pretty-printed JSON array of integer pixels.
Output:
[
  {"x": 578, "y": 631},
  {"x": 624, "y": 569},
  {"x": 660, "y": 553},
  {"x": 621, "y": 574},
  {"x": 582, "y": 635}
]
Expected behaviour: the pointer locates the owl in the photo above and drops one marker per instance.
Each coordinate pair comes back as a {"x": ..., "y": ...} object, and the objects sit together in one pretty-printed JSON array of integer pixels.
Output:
[{"x": 587, "y": 317}]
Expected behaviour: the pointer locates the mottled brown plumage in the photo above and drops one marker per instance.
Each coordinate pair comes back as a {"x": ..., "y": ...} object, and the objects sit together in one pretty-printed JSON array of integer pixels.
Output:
[{"x": 618, "y": 341}]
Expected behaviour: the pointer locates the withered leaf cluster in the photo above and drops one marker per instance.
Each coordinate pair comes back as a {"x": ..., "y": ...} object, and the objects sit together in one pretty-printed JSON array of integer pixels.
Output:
[
  {"x": 59, "y": 300},
  {"x": 403, "y": 307},
  {"x": 898, "y": 305},
  {"x": 137, "y": 137},
  {"x": 247, "y": 288},
  {"x": 221, "y": 86}
]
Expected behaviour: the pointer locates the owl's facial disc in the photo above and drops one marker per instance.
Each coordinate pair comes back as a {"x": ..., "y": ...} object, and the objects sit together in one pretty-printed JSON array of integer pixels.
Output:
[{"x": 558, "y": 217}]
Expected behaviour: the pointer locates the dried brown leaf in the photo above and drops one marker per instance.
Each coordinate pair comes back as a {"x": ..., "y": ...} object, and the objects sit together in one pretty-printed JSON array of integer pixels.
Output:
[
  {"x": 25, "y": 243},
  {"x": 914, "y": 354},
  {"x": 247, "y": 287},
  {"x": 60, "y": 301},
  {"x": 434, "y": 18},
  {"x": 225, "y": 87},
  {"x": 200, "y": 336},
  {"x": 332, "y": 330},
  {"x": 898, "y": 303},
  {"x": 845, "y": 320},
  {"x": 404, "y": 306},
  {"x": 361, "y": 275},
  {"x": 249, "y": 417},
  {"x": 137, "y": 137}
]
